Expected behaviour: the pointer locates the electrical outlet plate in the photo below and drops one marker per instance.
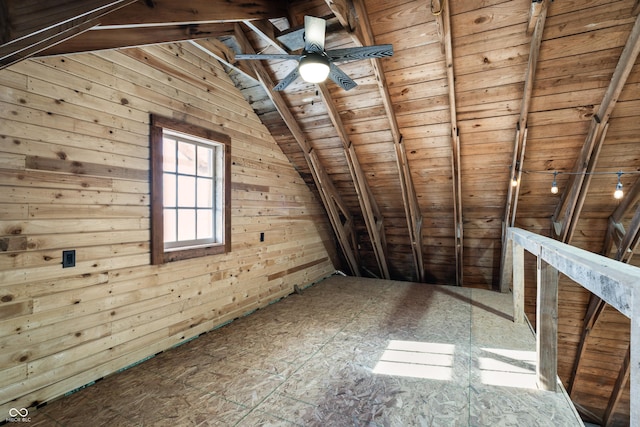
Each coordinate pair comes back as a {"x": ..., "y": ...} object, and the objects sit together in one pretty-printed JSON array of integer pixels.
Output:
[{"x": 68, "y": 258}]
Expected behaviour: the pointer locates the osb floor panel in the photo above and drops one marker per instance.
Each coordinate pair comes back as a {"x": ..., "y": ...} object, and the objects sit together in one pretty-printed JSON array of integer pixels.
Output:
[{"x": 346, "y": 352}]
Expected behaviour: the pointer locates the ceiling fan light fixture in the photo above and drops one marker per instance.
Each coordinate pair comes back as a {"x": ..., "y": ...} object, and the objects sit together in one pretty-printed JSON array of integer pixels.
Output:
[{"x": 314, "y": 67}]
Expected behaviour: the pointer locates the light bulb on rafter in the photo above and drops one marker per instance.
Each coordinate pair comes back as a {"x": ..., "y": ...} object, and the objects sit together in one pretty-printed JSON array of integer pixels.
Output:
[
  {"x": 554, "y": 185},
  {"x": 618, "y": 194}
]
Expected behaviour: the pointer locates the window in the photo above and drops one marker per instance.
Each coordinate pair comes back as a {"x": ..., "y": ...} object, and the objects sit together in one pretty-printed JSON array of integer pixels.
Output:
[{"x": 190, "y": 191}]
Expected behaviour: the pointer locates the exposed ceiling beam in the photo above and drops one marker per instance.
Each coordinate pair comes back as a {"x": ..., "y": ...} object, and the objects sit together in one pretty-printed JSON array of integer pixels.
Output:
[
  {"x": 568, "y": 210},
  {"x": 370, "y": 210},
  {"x": 170, "y": 12},
  {"x": 440, "y": 9},
  {"x": 354, "y": 18},
  {"x": 100, "y": 39},
  {"x": 30, "y": 26},
  {"x": 339, "y": 216}
]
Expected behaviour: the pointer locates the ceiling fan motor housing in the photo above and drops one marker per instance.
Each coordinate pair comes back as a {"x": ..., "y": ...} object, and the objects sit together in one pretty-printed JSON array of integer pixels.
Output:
[{"x": 314, "y": 66}]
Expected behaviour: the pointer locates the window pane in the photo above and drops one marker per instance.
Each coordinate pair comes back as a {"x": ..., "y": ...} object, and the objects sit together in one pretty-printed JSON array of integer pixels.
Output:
[
  {"x": 168, "y": 155},
  {"x": 186, "y": 191},
  {"x": 205, "y": 224},
  {"x": 205, "y": 193},
  {"x": 186, "y": 158},
  {"x": 169, "y": 225},
  {"x": 169, "y": 190},
  {"x": 205, "y": 161},
  {"x": 186, "y": 224}
]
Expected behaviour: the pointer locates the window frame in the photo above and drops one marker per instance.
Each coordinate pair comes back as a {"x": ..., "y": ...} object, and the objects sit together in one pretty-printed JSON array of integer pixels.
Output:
[{"x": 160, "y": 255}]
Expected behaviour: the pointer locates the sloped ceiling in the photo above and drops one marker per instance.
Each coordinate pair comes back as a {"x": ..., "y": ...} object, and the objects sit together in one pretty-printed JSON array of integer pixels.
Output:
[{"x": 414, "y": 166}]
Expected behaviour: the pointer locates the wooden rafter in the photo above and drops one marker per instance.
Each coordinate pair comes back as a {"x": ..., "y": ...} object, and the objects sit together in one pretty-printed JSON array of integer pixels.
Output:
[
  {"x": 226, "y": 55},
  {"x": 339, "y": 216},
  {"x": 170, "y": 12},
  {"x": 537, "y": 8},
  {"x": 537, "y": 19},
  {"x": 568, "y": 210},
  {"x": 354, "y": 18},
  {"x": 370, "y": 210},
  {"x": 615, "y": 231},
  {"x": 345, "y": 12},
  {"x": 100, "y": 39},
  {"x": 618, "y": 388},
  {"x": 268, "y": 32},
  {"x": 30, "y": 26},
  {"x": 594, "y": 310},
  {"x": 441, "y": 10},
  {"x": 629, "y": 242},
  {"x": 569, "y": 229}
]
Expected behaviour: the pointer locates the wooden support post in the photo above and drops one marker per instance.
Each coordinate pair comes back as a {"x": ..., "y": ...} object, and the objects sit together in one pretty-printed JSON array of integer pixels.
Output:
[
  {"x": 547, "y": 326},
  {"x": 518, "y": 282},
  {"x": 635, "y": 361},
  {"x": 614, "y": 282},
  {"x": 506, "y": 272}
]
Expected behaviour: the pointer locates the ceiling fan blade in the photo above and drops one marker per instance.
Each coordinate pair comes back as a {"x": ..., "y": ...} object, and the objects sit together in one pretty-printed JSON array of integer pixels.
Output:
[
  {"x": 314, "y": 29},
  {"x": 266, "y": 56},
  {"x": 365, "y": 52},
  {"x": 287, "y": 80},
  {"x": 340, "y": 78}
]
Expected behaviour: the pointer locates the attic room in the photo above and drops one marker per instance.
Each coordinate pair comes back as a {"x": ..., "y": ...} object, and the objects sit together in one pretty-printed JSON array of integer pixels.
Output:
[{"x": 439, "y": 233}]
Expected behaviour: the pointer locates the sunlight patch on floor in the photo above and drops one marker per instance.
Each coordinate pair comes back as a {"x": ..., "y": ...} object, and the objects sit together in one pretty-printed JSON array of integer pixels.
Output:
[
  {"x": 417, "y": 360},
  {"x": 508, "y": 368}
]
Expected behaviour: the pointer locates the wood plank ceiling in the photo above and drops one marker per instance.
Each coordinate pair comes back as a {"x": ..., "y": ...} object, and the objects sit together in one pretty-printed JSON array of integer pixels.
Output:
[{"x": 414, "y": 166}]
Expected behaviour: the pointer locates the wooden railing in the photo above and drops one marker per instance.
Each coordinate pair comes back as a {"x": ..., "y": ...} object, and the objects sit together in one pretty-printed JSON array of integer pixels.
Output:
[{"x": 615, "y": 282}]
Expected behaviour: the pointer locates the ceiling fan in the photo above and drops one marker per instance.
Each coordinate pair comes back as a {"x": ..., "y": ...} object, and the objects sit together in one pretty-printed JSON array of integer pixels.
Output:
[{"x": 315, "y": 64}]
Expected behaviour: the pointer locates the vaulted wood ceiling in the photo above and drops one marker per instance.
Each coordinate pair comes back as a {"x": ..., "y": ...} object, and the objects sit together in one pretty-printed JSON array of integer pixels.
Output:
[{"x": 414, "y": 166}]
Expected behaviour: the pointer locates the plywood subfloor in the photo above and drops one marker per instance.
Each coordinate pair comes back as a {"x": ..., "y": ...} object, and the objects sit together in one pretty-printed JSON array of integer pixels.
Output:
[{"x": 345, "y": 352}]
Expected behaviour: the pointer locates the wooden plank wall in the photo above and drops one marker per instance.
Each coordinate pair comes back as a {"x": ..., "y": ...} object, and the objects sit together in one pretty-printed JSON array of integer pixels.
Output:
[{"x": 74, "y": 175}]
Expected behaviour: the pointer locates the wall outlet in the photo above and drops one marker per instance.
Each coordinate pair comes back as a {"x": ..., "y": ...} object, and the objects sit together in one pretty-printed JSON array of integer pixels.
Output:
[{"x": 68, "y": 258}]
